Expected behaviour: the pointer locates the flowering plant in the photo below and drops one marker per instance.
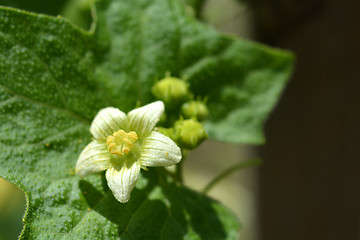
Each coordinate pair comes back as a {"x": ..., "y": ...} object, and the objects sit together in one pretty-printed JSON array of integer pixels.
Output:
[{"x": 58, "y": 79}]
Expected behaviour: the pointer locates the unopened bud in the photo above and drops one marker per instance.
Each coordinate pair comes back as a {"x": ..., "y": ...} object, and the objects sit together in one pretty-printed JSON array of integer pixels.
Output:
[
  {"x": 195, "y": 109},
  {"x": 190, "y": 133},
  {"x": 169, "y": 132},
  {"x": 172, "y": 91}
]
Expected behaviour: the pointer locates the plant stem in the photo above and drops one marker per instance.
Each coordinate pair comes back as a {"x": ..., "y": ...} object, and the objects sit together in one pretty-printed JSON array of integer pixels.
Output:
[
  {"x": 179, "y": 172},
  {"x": 198, "y": 6},
  {"x": 179, "y": 167},
  {"x": 227, "y": 172}
]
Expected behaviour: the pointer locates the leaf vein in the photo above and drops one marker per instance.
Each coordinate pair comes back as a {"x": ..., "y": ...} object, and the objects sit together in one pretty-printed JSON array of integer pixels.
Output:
[
  {"x": 86, "y": 213},
  {"x": 46, "y": 105},
  {"x": 132, "y": 216},
  {"x": 52, "y": 77}
]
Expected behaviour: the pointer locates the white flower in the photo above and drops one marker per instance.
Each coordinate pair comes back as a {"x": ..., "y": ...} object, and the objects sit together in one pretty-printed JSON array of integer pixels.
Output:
[{"x": 125, "y": 143}]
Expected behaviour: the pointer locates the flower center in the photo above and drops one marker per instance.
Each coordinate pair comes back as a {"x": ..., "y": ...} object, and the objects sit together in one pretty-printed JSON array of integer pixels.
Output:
[{"x": 121, "y": 142}]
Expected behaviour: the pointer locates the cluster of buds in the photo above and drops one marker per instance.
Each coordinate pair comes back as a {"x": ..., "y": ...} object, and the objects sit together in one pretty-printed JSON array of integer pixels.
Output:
[{"x": 188, "y": 131}]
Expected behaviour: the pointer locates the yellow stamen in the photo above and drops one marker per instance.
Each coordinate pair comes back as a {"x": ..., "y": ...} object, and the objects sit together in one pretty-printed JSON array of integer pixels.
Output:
[{"x": 121, "y": 142}]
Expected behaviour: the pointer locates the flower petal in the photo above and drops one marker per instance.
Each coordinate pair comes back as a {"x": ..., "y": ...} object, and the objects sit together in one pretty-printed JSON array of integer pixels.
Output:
[
  {"x": 159, "y": 150},
  {"x": 94, "y": 158},
  {"x": 106, "y": 122},
  {"x": 143, "y": 120},
  {"x": 122, "y": 180}
]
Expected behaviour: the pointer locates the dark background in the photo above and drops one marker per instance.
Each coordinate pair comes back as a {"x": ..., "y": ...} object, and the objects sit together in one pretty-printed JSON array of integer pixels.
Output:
[{"x": 309, "y": 183}]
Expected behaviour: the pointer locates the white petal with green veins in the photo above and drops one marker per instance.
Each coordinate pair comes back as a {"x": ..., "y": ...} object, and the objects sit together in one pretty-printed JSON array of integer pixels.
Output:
[
  {"x": 159, "y": 150},
  {"x": 95, "y": 157},
  {"x": 108, "y": 121},
  {"x": 122, "y": 179},
  {"x": 143, "y": 120}
]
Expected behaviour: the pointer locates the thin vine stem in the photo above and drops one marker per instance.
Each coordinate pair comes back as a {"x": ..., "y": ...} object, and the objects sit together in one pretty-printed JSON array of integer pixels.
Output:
[{"x": 229, "y": 171}]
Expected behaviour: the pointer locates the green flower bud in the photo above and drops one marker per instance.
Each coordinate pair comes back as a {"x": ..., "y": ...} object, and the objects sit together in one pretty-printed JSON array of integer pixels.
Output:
[
  {"x": 172, "y": 91},
  {"x": 169, "y": 132},
  {"x": 195, "y": 109},
  {"x": 190, "y": 133}
]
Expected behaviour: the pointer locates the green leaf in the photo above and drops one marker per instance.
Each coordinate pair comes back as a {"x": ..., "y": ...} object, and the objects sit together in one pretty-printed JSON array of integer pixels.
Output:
[
  {"x": 40, "y": 6},
  {"x": 49, "y": 93},
  {"x": 243, "y": 80}
]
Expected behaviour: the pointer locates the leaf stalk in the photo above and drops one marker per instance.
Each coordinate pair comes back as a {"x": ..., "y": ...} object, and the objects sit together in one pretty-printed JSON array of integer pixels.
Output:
[{"x": 229, "y": 171}]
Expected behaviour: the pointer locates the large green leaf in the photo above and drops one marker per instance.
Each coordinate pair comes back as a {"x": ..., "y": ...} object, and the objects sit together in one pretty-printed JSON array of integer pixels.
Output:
[
  {"x": 243, "y": 80},
  {"x": 48, "y": 96}
]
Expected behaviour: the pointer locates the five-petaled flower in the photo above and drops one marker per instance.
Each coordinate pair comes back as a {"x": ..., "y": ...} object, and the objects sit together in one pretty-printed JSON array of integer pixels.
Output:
[{"x": 124, "y": 144}]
